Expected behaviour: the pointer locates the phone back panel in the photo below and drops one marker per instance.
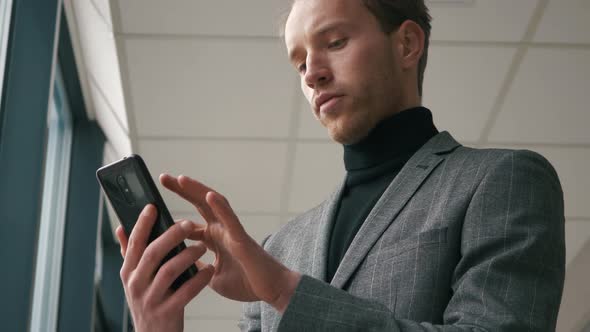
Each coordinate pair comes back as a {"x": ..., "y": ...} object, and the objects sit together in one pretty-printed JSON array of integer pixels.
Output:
[{"x": 129, "y": 188}]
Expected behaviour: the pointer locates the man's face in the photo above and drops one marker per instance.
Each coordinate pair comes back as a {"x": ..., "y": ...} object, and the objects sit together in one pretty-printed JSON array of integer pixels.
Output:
[{"x": 347, "y": 64}]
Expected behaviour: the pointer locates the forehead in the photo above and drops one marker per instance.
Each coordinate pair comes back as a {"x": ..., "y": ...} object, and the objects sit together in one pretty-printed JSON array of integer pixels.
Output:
[{"x": 309, "y": 16}]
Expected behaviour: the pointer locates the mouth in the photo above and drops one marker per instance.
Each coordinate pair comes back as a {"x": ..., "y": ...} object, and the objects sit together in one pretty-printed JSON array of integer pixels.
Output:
[{"x": 325, "y": 102}]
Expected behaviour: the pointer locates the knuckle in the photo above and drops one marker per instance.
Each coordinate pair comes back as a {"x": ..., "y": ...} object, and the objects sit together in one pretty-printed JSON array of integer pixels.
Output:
[
  {"x": 181, "y": 233},
  {"x": 168, "y": 272},
  {"x": 150, "y": 255},
  {"x": 123, "y": 274},
  {"x": 134, "y": 287}
]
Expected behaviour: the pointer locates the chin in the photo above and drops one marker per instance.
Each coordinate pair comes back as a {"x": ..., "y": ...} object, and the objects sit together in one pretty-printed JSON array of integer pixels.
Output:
[
  {"x": 349, "y": 127},
  {"x": 348, "y": 136},
  {"x": 340, "y": 139}
]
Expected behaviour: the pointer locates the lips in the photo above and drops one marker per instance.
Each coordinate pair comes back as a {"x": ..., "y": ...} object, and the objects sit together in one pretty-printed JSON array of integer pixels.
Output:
[{"x": 323, "y": 98}]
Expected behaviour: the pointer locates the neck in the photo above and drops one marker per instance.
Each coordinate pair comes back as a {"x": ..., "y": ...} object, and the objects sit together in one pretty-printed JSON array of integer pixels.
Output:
[{"x": 401, "y": 133}]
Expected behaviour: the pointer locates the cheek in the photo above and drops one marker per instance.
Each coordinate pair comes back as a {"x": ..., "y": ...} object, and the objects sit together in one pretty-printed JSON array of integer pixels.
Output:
[{"x": 355, "y": 72}]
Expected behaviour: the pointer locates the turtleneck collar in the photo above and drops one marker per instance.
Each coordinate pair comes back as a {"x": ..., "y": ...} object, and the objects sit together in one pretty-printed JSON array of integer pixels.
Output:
[{"x": 402, "y": 133}]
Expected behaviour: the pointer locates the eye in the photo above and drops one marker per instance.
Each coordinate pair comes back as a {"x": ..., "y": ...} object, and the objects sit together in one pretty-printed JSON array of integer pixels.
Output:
[{"x": 337, "y": 44}]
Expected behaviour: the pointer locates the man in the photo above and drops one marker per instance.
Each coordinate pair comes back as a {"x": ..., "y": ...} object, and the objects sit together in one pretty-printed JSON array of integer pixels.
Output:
[{"x": 422, "y": 235}]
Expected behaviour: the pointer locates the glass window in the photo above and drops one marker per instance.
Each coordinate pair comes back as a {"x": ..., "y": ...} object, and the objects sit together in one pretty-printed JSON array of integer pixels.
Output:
[{"x": 53, "y": 211}]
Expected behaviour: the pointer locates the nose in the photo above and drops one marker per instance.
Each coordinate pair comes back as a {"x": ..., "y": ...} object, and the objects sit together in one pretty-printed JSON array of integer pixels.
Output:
[{"x": 317, "y": 72}]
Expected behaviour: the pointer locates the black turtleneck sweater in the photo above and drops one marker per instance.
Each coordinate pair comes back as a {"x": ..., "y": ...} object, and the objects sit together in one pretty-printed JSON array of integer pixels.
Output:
[{"x": 371, "y": 165}]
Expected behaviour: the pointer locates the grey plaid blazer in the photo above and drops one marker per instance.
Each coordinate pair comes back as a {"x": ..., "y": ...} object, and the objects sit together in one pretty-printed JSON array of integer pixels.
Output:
[{"x": 462, "y": 240}]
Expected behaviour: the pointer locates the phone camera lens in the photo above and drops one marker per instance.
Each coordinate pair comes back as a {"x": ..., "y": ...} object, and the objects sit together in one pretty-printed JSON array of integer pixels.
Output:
[{"x": 126, "y": 191}]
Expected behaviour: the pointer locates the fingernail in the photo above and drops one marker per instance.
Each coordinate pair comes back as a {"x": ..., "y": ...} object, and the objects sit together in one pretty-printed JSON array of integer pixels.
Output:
[
  {"x": 148, "y": 211},
  {"x": 186, "y": 225}
]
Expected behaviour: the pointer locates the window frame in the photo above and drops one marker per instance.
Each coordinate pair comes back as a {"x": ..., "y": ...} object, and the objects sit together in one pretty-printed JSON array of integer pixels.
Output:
[
  {"x": 5, "y": 17},
  {"x": 53, "y": 210},
  {"x": 28, "y": 79}
]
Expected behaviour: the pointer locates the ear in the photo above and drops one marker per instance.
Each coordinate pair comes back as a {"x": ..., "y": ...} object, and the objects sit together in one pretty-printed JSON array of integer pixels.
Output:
[{"x": 410, "y": 44}]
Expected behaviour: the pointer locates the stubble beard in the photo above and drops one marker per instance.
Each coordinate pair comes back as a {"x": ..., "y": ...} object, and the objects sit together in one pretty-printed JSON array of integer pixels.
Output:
[{"x": 350, "y": 129}]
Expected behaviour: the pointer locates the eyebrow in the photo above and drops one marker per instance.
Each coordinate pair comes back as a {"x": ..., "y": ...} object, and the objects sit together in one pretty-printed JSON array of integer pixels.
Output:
[
  {"x": 322, "y": 30},
  {"x": 332, "y": 26}
]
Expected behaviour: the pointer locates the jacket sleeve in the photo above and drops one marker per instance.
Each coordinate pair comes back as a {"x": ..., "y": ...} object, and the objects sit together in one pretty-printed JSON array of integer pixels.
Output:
[
  {"x": 509, "y": 277},
  {"x": 251, "y": 317}
]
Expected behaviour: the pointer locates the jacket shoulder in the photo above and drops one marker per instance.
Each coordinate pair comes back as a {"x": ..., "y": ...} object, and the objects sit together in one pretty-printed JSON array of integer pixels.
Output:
[
  {"x": 521, "y": 164},
  {"x": 275, "y": 243},
  {"x": 496, "y": 157}
]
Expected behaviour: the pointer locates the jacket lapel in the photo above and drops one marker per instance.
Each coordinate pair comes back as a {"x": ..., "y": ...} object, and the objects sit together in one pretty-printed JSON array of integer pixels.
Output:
[
  {"x": 395, "y": 197},
  {"x": 322, "y": 239}
]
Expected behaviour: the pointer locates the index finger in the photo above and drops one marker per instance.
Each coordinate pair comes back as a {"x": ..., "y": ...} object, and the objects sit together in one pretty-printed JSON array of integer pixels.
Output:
[
  {"x": 137, "y": 241},
  {"x": 122, "y": 239},
  {"x": 192, "y": 191}
]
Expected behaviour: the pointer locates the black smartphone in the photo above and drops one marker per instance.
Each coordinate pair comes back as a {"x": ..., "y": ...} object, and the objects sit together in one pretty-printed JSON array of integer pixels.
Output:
[{"x": 129, "y": 187}]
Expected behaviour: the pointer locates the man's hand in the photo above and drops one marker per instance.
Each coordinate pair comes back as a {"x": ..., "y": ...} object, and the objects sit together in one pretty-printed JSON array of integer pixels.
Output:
[
  {"x": 243, "y": 270},
  {"x": 153, "y": 304}
]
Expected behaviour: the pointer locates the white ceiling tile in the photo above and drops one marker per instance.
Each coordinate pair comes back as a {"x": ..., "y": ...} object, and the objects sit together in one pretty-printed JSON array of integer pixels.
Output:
[
  {"x": 104, "y": 9},
  {"x": 109, "y": 123},
  {"x": 548, "y": 101},
  {"x": 210, "y": 87},
  {"x": 210, "y": 17},
  {"x": 100, "y": 55},
  {"x": 318, "y": 170},
  {"x": 461, "y": 84},
  {"x": 565, "y": 21},
  {"x": 217, "y": 325},
  {"x": 480, "y": 20},
  {"x": 577, "y": 233},
  {"x": 249, "y": 174}
]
